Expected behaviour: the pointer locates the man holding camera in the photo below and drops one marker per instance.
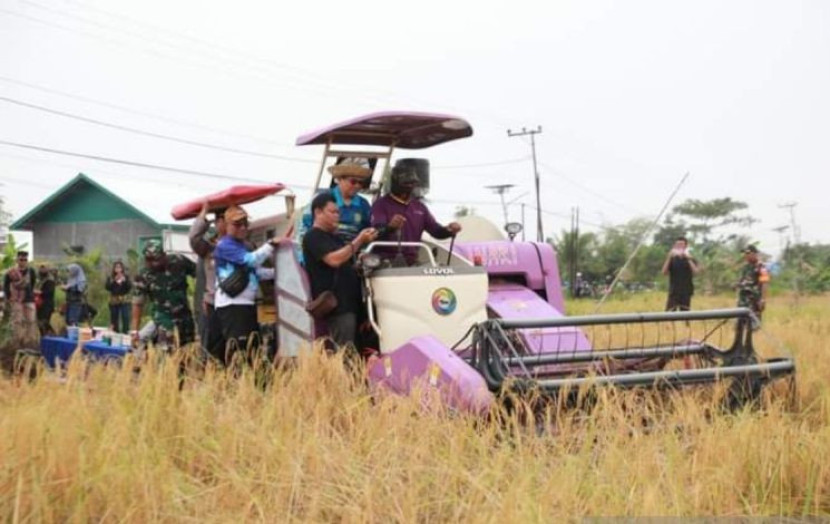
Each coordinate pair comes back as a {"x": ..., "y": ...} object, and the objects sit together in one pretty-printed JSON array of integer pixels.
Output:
[{"x": 680, "y": 268}]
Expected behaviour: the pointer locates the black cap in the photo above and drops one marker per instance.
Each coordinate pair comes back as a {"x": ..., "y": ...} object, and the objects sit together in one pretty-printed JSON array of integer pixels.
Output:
[{"x": 751, "y": 249}]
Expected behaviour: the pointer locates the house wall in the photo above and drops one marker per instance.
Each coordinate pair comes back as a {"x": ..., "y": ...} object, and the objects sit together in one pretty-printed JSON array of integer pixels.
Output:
[{"x": 115, "y": 237}]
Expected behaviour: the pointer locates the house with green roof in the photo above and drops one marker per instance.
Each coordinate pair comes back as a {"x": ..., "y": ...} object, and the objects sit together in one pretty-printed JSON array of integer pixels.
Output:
[{"x": 84, "y": 215}]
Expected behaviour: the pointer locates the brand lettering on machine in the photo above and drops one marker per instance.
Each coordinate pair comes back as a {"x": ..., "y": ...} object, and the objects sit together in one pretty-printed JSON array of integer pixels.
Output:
[
  {"x": 438, "y": 271},
  {"x": 496, "y": 255}
]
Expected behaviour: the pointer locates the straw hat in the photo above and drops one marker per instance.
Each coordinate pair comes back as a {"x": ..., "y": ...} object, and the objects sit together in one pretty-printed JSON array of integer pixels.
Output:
[{"x": 355, "y": 167}]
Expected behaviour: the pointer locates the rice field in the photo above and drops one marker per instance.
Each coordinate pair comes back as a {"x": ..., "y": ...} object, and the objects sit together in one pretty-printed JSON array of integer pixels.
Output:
[{"x": 107, "y": 445}]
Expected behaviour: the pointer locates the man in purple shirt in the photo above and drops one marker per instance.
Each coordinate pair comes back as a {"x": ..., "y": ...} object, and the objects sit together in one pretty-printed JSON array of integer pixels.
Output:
[{"x": 400, "y": 216}]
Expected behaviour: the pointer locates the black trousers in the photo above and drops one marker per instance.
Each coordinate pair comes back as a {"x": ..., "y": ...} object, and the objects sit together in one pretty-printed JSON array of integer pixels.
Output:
[
  {"x": 238, "y": 323},
  {"x": 213, "y": 341},
  {"x": 342, "y": 328}
]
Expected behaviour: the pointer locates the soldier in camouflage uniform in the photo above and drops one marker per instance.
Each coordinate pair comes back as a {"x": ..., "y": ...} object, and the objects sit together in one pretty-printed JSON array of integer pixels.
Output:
[
  {"x": 163, "y": 282},
  {"x": 752, "y": 286}
]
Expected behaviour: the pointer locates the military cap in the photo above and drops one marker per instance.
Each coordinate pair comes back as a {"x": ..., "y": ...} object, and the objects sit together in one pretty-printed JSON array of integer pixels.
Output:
[{"x": 153, "y": 249}]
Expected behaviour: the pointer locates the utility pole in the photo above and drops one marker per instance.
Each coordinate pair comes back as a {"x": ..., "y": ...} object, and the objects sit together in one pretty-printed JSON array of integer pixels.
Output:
[
  {"x": 571, "y": 247},
  {"x": 576, "y": 241},
  {"x": 796, "y": 231},
  {"x": 782, "y": 238},
  {"x": 540, "y": 236},
  {"x": 796, "y": 236},
  {"x": 501, "y": 189}
]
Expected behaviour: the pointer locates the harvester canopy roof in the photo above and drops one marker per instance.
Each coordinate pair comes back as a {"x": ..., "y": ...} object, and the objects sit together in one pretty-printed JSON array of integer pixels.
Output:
[{"x": 402, "y": 129}]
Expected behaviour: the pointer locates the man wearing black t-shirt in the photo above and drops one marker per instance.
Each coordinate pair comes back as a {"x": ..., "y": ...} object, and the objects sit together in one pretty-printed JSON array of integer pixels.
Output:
[
  {"x": 680, "y": 267},
  {"x": 328, "y": 262}
]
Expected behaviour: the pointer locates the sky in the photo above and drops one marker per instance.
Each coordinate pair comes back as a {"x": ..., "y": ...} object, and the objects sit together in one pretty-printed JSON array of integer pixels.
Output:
[{"x": 630, "y": 96}]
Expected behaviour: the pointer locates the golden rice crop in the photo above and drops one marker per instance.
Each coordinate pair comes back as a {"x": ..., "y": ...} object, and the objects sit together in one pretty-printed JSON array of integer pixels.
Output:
[{"x": 107, "y": 444}]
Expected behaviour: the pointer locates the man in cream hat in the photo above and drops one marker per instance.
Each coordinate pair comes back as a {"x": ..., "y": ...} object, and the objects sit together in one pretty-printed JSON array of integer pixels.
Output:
[{"x": 350, "y": 176}]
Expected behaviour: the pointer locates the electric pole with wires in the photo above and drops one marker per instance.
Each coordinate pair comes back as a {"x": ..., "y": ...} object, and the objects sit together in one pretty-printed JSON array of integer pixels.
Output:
[
  {"x": 501, "y": 189},
  {"x": 794, "y": 248},
  {"x": 540, "y": 236}
]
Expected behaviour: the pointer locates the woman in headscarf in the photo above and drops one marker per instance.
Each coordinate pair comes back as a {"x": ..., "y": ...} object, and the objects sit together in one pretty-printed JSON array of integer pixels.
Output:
[{"x": 75, "y": 289}]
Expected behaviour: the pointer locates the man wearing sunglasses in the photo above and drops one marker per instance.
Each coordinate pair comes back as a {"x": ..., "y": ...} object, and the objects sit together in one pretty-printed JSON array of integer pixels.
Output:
[
  {"x": 238, "y": 272},
  {"x": 350, "y": 176}
]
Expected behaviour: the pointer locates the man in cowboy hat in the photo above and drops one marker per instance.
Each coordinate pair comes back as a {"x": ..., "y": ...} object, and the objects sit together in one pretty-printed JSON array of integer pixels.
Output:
[
  {"x": 753, "y": 282},
  {"x": 163, "y": 281},
  {"x": 350, "y": 176}
]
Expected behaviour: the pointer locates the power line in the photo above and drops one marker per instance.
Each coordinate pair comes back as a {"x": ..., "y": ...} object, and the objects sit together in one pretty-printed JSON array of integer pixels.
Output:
[
  {"x": 305, "y": 88},
  {"x": 485, "y": 164},
  {"x": 323, "y": 85},
  {"x": 212, "y": 46},
  {"x": 586, "y": 189},
  {"x": 303, "y": 85},
  {"x": 214, "y": 146},
  {"x": 93, "y": 170},
  {"x": 234, "y": 54},
  {"x": 138, "y": 112},
  {"x": 565, "y": 216},
  {"x": 129, "y": 162},
  {"x": 151, "y": 134}
]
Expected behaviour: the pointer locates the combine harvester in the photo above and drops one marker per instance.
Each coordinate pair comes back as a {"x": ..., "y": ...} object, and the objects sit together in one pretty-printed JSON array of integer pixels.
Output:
[{"x": 474, "y": 317}]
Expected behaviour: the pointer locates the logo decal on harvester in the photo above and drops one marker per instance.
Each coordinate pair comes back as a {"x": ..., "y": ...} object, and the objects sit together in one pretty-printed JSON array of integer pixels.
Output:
[{"x": 444, "y": 301}]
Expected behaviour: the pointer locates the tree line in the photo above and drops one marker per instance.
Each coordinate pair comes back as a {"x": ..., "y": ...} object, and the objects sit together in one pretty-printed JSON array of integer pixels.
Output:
[{"x": 717, "y": 231}]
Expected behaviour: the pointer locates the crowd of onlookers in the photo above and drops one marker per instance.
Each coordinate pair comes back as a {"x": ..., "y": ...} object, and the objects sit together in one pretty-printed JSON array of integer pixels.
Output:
[{"x": 29, "y": 297}]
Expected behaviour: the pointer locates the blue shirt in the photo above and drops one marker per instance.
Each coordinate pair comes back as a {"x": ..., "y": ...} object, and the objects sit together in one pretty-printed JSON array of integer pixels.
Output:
[{"x": 228, "y": 254}]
